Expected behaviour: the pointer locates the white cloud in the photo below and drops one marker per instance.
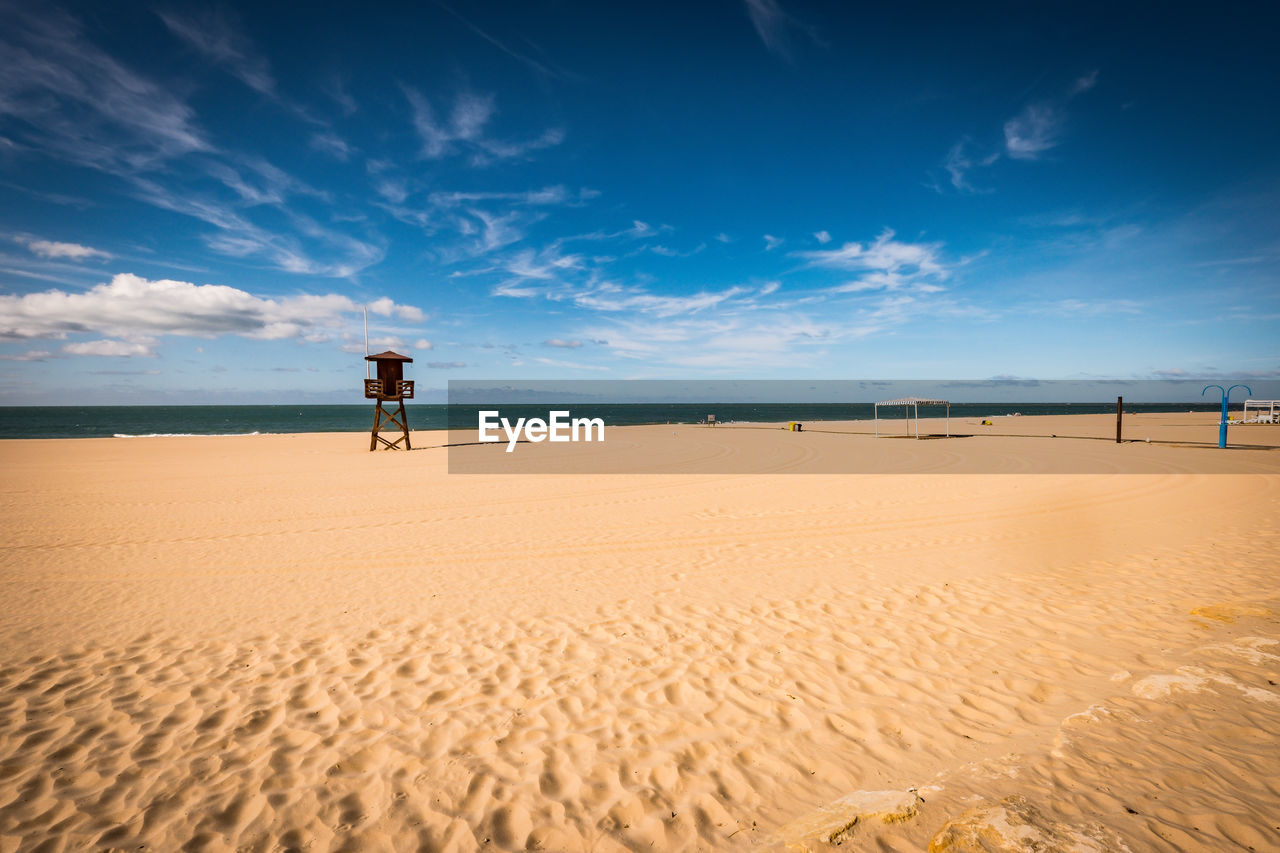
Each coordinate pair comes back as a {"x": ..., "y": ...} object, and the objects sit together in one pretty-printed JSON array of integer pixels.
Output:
[
  {"x": 571, "y": 365},
  {"x": 29, "y": 355},
  {"x": 72, "y": 251},
  {"x": 133, "y": 308},
  {"x": 1035, "y": 130},
  {"x": 562, "y": 344},
  {"x": 115, "y": 349},
  {"x": 771, "y": 242},
  {"x": 770, "y": 287},
  {"x": 385, "y": 307},
  {"x": 545, "y": 196},
  {"x": 613, "y": 298},
  {"x": 823, "y": 237},
  {"x": 886, "y": 264},
  {"x": 446, "y": 365},
  {"x": 464, "y": 130},
  {"x": 330, "y": 143},
  {"x": 423, "y": 344},
  {"x": 718, "y": 343},
  {"x": 496, "y": 230}
]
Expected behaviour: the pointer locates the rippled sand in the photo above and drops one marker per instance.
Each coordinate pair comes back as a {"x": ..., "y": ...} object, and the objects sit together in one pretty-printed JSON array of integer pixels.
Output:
[{"x": 285, "y": 642}]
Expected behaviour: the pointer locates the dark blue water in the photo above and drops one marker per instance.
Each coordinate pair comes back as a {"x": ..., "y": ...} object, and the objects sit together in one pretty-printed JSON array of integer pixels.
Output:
[{"x": 107, "y": 421}]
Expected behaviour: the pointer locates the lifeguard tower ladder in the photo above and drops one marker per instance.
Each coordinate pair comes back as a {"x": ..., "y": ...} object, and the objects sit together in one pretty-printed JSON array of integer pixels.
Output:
[{"x": 389, "y": 387}]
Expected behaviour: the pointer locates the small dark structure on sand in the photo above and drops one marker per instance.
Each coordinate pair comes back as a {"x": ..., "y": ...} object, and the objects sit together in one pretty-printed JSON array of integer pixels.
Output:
[{"x": 389, "y": 387}]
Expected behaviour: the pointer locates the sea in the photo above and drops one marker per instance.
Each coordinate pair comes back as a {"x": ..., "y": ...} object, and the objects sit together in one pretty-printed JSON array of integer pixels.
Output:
[{"x": 141, "y": 421}]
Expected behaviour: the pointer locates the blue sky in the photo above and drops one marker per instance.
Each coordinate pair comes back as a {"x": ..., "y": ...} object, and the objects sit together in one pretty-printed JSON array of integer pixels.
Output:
[{"x": 197, "y": 200}]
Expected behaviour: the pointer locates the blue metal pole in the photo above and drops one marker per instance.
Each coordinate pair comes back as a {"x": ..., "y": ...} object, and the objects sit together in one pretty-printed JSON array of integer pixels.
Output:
[
  {"x": 1226, "y": 394},
  {"x": 1222, "y": 424}
]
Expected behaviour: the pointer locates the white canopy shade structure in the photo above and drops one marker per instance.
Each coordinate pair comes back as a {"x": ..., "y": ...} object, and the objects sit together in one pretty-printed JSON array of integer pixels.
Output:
[
  {"x": 1265, "y": 412},
  {"x": 913, "y": 403}
]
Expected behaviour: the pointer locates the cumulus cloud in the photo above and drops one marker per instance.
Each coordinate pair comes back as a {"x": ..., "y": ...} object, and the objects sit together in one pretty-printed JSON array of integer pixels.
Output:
[
  {"x": 823, "y": 237},
  {"x": 386, "y": 307},
  {"x": 135, "y": 309},
  {"x": 109, "y": 348},
  {"x": 71, "y": 251},
  {"x": 771, "y": 242},
  {"x": 562, "y": 344}
]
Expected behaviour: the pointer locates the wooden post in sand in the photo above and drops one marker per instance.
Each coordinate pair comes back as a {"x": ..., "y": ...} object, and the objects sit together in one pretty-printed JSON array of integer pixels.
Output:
[{"x": 1119, "y": 416}]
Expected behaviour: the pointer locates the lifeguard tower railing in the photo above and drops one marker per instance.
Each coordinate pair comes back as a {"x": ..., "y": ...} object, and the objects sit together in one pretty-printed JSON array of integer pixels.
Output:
[{"x": 403, "y": 390}]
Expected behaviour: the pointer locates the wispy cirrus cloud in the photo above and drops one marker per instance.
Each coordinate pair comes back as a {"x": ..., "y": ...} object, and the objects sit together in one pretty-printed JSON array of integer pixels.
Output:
[
  {"x": 543, "y": 66},
  {"x": 1037, "y": 129},
  {"x": 328, "y": 142},
  {"x": 776, "y": 26},
  {"x": 960, "y": 162},
  {"x": 464, "y": 130},
  {"x": 1040, "y": 126},
  {"x": 609, "y": 297},
  {"x": 66, "y": 97},
  {"x": 336, "y": 88},
  {"x": 215, "y": 34},
  {"x": 1033, "y": 131},
  {"x": 885, "y": 264},
  {"x": 339, "y": 255}
]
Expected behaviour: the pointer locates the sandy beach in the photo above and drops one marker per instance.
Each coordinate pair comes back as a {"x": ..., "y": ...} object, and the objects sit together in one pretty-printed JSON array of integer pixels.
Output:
[{"x": 284, "y": 642}]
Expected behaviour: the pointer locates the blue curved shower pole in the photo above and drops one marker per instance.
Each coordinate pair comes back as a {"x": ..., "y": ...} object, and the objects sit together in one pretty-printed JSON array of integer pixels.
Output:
[{"x": 1226, "y": 392}]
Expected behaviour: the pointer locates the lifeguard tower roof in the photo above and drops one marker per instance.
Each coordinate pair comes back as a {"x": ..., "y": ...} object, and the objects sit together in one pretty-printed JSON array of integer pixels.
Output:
[{"x": 388, "y": 356}]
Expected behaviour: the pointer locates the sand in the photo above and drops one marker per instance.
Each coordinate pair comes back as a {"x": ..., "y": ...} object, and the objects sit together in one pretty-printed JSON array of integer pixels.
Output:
[{"x": 286, "y": 642}]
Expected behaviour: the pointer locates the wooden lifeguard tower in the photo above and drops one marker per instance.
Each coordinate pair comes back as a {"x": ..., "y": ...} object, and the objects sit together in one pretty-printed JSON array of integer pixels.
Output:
[{"x": 389, "y": 387}]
